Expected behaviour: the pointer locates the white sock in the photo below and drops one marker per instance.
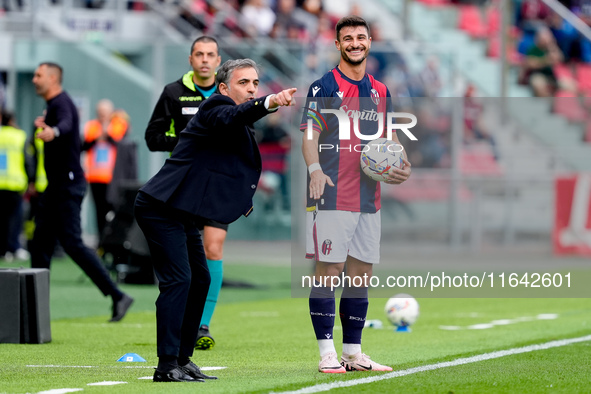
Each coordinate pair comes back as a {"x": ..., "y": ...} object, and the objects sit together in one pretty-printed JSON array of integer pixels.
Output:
[
  {"x": 351, "y": 348},
  {"x": 326, "y": 346}
]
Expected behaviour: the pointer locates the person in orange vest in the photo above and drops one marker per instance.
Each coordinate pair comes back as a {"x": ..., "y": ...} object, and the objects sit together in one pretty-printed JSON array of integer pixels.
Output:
[{"x": 101, "y": 136}]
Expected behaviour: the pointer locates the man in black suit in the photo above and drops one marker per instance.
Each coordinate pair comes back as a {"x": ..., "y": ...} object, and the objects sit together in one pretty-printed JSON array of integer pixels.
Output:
[
  {"x": 212, "y": 173},
  {"x": 58, "y": 217}
]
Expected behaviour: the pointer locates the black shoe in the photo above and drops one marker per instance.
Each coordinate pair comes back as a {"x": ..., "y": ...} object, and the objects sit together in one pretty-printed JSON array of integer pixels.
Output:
[
  {"x": 204, "y": 339},
  {"x": 120, "y": 308},
  {"x": 193, "y": 371},
  {"x": 175, "y": 375}
]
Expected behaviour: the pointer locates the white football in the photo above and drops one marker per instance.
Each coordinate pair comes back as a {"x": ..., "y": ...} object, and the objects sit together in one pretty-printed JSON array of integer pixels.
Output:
[
  {"x": 379, "y": 156},
  {"x": 402, "y": 310}
]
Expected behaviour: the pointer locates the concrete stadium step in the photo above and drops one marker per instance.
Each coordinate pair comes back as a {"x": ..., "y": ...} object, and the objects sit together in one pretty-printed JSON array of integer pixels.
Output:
[{"x": 578, "y": 156}]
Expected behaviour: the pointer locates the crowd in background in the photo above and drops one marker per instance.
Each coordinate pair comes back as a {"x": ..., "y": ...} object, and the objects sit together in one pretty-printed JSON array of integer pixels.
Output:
[
  {"x": 298, "y": 20},
  {"x": 546, "y": 48},
  {"x": 551, "y": 55}
]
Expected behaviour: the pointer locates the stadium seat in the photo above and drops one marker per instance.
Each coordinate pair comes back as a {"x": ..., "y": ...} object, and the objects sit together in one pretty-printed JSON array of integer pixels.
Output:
[
  {"x": 583, "y": 77},
  {"x": 567, "y": 104},
  {"x": 494, "y": 51},
  {"x": 561, "y": 70},
  {"x": 493, "y": 21},
  {"x": 478, "y": 159},
  {"x": 435, "y": 3},
  {"x": 470, "y": 21}
]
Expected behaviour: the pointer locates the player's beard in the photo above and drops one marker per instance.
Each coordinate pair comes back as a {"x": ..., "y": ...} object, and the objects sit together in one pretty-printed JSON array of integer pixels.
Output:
[{"x": 352, "y": 62}]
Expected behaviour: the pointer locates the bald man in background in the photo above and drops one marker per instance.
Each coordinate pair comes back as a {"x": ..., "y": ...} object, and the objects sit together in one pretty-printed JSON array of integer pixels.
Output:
[
  {"x": 58, "y": 217},
  {"x": 101, "y": 137}
]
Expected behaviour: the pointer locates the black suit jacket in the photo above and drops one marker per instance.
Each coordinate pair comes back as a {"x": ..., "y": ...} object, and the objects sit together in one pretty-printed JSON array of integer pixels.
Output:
[{"x": 214, "y": 170}]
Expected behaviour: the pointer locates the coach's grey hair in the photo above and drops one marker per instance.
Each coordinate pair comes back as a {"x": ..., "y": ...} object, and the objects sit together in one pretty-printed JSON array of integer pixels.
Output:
[{"x": 224, "y": 73}]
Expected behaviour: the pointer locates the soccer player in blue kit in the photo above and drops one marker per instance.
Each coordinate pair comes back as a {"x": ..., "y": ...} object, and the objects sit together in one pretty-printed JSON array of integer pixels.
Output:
[{"x": 343, "y": 209}]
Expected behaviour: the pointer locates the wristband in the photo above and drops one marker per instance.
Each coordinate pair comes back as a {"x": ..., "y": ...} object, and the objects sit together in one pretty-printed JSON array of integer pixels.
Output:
[{"x": 313, "y": 167}]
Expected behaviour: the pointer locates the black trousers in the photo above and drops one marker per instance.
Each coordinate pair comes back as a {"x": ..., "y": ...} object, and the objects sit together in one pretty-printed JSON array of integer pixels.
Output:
[
  {"x": 181, "y": 268},
  {"x": 9, "y": 215},
  {"x": 101, "y": 205},
  {"x": 58, "y": 218}
]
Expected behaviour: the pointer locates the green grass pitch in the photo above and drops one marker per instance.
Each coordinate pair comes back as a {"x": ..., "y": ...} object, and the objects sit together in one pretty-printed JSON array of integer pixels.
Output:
[{"x": 266, "y": 344}]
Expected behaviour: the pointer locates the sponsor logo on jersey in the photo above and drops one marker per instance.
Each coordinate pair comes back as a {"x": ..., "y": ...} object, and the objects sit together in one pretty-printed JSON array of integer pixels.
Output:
[
  {"x": 371, "y": 115},
  {"x": 190, "y": 98},
  {"x": 189, "y": 110},
  {"x": 344, "y": 116}
]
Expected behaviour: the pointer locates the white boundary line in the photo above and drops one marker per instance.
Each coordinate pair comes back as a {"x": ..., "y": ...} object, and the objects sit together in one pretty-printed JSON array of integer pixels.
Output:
[
  {"x": 91, "y": 366},
  {"x": 502, "y": 322},
  {"x": 105, "y": 383},
  {"x": 460, "y": 361},
  {"x": 113, "y": 366}
]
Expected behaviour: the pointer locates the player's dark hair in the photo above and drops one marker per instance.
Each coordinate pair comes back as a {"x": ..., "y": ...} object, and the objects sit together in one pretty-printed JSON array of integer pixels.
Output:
[
  {"x": 56, "y": 67},
  {"x": 6, "y": 116},
  {"x": 351, "y": 21},
  {"x": 224, "y": 73},
  {"x": 205, "y": 39}
]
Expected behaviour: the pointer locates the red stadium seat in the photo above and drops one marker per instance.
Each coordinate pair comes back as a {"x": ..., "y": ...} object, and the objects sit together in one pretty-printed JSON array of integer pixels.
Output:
[
  {"x": 568, "y": 105},
  {"x": 561, "y": 71},
  {"x": 583, "y": 77},
  {"x": 494, "y": 51},
  {"x": 435, "y": 3},
  {"x": 470, "y": 21},
  {"x": 493, "y": 21},
  {"x": 478, "y": 159}
]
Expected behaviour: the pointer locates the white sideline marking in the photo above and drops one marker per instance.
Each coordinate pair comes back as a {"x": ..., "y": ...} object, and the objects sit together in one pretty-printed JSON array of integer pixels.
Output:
[
  {"x": 60, "y": 366},
  {"x": 105, "y": 383},
  {"x": 59, "y": 391},
  {"x": 502, "y": 322},
  {"x": 88, "y": 366},
  {"x": 460, "y": 361},
  {"x": 112, "y": 366}
]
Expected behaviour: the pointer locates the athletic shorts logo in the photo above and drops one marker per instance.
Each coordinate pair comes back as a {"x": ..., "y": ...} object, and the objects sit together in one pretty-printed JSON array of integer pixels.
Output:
[{"x": 326, "y": 247}]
